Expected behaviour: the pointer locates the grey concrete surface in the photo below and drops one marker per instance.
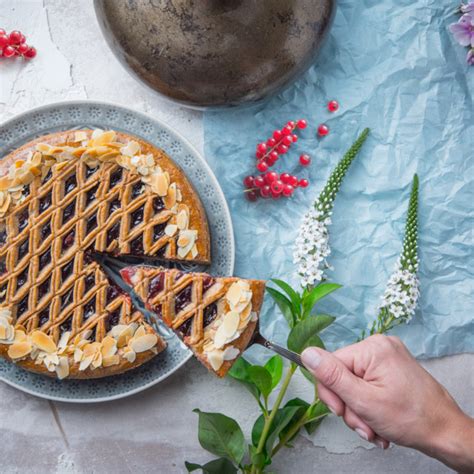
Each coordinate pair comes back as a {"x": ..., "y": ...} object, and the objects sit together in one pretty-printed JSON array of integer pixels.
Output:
[{"x": 155, "y": 431}]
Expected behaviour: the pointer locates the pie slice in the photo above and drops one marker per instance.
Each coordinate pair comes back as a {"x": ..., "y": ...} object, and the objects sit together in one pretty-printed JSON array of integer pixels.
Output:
[
  {"x": 60, "y": 196},
  {"x": 215, "y": 317}
]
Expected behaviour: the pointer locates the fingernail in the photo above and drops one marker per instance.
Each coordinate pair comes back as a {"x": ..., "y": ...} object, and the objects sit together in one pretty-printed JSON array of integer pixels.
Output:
[
  {"x": 311, "y": 358},
  {"x": 331, "y": 409},
  {"x": 362, "y": 434},
  {"x": 379, "y": 443}
]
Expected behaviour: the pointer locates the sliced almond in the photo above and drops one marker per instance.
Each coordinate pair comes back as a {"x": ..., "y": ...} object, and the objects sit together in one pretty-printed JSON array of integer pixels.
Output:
[
  {"x": 78, "y": 354},
  {"x": 43, "y": 342},
  {"x": 233, "y": 294},
  {"x": 62, "y": 369},
  {"x": 109, "y": 346},
  {"x": 171, "y": 230},
  {"x": 216, "y": 359},
  {"x": 230, "y": 323},
  {"x": 160, "y": 184},
  {"x": 64, "y": 340},
  {"x": 19, "y": 350},
  {"x": 130, "y": 149},
  {"x": 183, "y": 240},
  {"x": 80, "y": 136},
  {"x": 3, "y": 332},
  {"x": 124, "y": 337},
  {"x": 231, "y": 353},
  {"x": 130, "y": 355},
  {"x": 86, "y": 362},
  {"x": 103, "y": 138},
  {"x": 143, "y": 343},
  {"x": 170, "y": 199},
  {"x": 182, "y": 219},
  {"x": 141, "y": 331}
]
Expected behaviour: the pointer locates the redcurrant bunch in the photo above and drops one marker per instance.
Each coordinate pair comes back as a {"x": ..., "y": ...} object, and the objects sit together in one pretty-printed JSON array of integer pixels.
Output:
[
  {"x": 14, "y": 44},
  {"x": 272, "y": 185},
  {"x": 279, "y": 143}
]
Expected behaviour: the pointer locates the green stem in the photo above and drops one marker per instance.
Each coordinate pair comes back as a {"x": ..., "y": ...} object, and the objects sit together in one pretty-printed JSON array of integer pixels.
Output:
[{"x": 269, "y": 420}]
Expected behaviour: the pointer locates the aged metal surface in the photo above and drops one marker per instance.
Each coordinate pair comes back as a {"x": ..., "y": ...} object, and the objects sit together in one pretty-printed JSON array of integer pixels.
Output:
[{"x": 215, "y": 52}]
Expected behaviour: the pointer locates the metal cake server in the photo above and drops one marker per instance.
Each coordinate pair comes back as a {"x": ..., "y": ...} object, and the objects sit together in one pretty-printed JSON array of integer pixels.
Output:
[{"x": 112, "y": 267}]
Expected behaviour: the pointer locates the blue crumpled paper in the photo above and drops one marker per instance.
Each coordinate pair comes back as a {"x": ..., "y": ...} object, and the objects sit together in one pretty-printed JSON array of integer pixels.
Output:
[{"x": 395, "y": 68}]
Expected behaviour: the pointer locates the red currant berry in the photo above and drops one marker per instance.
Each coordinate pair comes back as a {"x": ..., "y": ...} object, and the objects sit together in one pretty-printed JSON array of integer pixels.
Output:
[
  {"x": 276, "y": 195},
  {"x": 259, "y": 154},
  {"x": 271, "y": 160},
  {"x": 2, "y": 31},
  {"x": 249, "y": 181},
  {"x": 277, "y": 135},
  {"x": 305, "y": 160},
  {"x": 282, "y": 149},
  {"x": 291, "y": 124},
  {"x": 293, "y": 180},
  {"x": 31, "y": 53},
  {"x": 277, "y": 186},
  {"x": 22, "y": 48},
  {"x": 14, "y": 37},
  {"x": 333, "y": 106},
  {"x": 258, "y": 181},
  {"x": 294, "y": 138},
  {"x": 273, "y": 155},
  {"x": 286, "y": 130},
  {"x": 22, "y": 39},
  {"x": 303, "y": 183},
  {"x": 265, "y": 191},
  {"x": 3, "y": 40},
  {"x": 270, "y": 177},
  {"x": 323, "y": 130},
  {"x": 287, "y": 190},
  {"x": 262, "y": 166},
  {"x": 285, "y": 178},
  {"x": 287, "y": 140},
  {"x": 302, "y": 124},
  {"x": 271, "y": 142},
  {"x": 252, "y": 196},
  {"x": 9, "y": 51},
  {"x": 262, "y": 147}
]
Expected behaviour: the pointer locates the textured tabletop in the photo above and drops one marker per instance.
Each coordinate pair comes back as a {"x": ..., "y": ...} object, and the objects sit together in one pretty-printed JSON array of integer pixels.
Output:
[{"x": 154, "y": 431}]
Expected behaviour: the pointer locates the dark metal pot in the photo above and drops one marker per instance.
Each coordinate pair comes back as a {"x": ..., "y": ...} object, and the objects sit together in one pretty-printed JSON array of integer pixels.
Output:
[{"x": 214, "y": 53}]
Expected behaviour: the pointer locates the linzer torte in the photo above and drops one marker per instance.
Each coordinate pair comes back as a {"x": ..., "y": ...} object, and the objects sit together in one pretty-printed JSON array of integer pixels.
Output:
[
  {"x": 215, "y": 317},
  {"x": 60, "y": 196}
]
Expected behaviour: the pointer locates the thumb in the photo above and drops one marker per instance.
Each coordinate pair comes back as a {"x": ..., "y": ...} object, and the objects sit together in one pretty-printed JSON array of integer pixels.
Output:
[{"x": 333, "y": 374}]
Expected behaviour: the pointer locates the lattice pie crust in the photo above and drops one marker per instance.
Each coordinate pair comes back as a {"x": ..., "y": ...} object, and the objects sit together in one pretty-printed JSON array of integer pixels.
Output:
[
  {"x": 63, "y": 194},
  {"x": 215, "y": 317}
]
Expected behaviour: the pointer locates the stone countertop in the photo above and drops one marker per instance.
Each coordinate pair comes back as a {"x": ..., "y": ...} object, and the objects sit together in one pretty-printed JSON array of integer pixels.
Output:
[{"x": 154, "y": 431}]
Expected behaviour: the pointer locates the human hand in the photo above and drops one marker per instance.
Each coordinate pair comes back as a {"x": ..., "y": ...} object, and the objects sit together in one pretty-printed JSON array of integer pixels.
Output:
[{"x": 382, "y": 392}]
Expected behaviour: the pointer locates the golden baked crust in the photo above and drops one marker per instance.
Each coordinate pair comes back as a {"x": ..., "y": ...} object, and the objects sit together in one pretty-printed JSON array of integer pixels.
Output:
[
  {"x": 83, "y": 192},
  {"x": 196, "y": 305}
]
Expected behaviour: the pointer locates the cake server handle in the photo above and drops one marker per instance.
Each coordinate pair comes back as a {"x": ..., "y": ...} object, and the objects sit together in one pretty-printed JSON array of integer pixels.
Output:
[{"x": 286, "y": 353}]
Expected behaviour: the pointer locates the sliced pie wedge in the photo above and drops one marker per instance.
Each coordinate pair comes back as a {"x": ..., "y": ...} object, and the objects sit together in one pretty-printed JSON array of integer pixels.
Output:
[{"x": 214, "y": 317}]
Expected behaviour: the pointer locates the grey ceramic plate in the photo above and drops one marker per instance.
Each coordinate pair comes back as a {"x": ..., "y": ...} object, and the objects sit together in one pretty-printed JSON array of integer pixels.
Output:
[{"x": 70, "y": 115}]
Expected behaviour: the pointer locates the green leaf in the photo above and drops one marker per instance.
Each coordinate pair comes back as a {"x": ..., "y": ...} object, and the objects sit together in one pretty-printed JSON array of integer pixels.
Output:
[
  {"x": 295, "y": 298},
  {"x": 221, "y": 436},
  {"x": 282, "y": 418},
  {"x": 275, "y": 368},
  {"x": 318, "y": 292},
  {"x": 240, "y": 372},
  {"x": 304, "y": 334},
  {"x": 284, "y": 304},
  {"x": 258, "y": 459},
  {"x": 217, "y": 466},
  {"x": 318, "y": 412},
  {"x": 261, "y": 378},
  {"x": 302, "y": 407}
]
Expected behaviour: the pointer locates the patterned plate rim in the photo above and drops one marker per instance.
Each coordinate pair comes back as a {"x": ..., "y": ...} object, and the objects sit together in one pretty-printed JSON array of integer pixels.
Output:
[{"x": 210, "y": 174}]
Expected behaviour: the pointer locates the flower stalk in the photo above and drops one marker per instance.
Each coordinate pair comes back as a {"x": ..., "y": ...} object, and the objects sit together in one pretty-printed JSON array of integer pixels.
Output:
[{"x": 312, "y": 244}]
